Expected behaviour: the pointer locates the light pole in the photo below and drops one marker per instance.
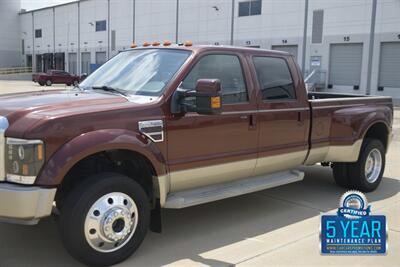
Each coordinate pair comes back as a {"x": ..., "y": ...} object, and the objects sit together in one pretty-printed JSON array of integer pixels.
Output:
[
  {"x": 371, "y": 46},
  {"x": 303, "y": 59}
]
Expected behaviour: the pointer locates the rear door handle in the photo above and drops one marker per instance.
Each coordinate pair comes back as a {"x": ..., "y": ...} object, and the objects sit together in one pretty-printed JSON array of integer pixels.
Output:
[{"x": 253, "y": 122}]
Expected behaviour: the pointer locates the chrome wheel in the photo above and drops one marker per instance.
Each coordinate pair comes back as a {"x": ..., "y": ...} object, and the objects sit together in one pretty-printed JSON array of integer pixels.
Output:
[
  {"x": 111, "y": 222},
  {"x": 373, "y": 165}
]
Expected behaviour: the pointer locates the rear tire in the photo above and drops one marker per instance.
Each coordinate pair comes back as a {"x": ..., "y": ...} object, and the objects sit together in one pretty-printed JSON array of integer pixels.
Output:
[
  {"x": 75, "y": 83},
  {"x": 366, "y": 174},
  {"x": 41, "y": 83},
  {"x": 104, "y": 219}
]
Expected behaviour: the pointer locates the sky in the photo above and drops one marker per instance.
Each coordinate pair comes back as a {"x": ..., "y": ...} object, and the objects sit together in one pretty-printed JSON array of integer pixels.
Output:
[{"x": 34, "y": 4}]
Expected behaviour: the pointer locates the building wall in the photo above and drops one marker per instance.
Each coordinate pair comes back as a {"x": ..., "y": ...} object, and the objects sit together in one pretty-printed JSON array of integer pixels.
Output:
[
  {"x": 201, "y": 23},
  {"x": 10, "y": 43},
  {"x": 210, "y": 22}
]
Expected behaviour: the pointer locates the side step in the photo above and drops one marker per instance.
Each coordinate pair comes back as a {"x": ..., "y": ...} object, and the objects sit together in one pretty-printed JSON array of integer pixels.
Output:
[{"x": 211, "y": 193}]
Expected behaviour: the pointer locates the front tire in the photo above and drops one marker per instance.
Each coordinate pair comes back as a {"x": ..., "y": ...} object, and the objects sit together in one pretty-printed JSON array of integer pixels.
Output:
[
  {"x": 105, "y": 219},
  {"x": 49, "y": 83}
]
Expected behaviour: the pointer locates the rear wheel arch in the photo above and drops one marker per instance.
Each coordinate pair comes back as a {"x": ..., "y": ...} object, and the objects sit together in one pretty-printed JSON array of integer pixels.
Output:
[{"x": 379, "y": 131}]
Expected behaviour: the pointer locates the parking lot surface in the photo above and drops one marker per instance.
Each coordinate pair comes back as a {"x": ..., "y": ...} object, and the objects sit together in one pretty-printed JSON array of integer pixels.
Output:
[{"x": 275, "y": 227}]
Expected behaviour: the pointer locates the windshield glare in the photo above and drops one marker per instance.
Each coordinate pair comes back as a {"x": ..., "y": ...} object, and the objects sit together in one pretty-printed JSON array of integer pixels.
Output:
[{"x": 138, "y": 72}]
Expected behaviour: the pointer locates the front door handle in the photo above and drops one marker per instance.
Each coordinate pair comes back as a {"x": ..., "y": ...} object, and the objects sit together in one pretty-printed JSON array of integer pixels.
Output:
[{"x": 300, "y": 118}]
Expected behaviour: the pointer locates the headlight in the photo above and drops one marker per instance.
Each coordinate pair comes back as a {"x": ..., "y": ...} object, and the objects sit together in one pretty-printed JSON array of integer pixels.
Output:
[{"x": 24, "y": 159}]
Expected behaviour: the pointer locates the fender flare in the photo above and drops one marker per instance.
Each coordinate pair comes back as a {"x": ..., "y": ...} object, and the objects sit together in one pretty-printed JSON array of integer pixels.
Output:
[
  {"x": 94, "y": 142},
  {"x": 371, "y": 120}
]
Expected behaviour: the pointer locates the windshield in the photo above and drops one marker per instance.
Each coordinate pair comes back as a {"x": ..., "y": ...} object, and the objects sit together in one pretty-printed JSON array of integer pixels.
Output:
[{"x": 138, "y": 72}]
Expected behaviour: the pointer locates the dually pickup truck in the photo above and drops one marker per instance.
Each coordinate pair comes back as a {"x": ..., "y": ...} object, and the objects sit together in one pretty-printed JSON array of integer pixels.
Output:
[{"x": 173, "y": 126}]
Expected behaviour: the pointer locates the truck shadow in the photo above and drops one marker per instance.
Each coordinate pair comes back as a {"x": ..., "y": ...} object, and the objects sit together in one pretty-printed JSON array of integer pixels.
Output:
[{"x": 190, "y": 232}]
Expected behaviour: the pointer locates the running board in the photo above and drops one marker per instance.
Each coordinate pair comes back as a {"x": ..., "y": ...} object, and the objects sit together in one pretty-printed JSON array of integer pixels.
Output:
[{"x": 211, "y": 193}]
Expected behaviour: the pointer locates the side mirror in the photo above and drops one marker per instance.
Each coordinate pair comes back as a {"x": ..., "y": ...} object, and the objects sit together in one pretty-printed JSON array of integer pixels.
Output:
[{"x": 207, "y": 96}]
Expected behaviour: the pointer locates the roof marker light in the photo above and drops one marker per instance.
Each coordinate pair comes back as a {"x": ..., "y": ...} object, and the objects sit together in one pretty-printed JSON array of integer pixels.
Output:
[
  {"x": 133, "y": 45},
  {"x": 167, "y": 43},
  {"x": 145, "y": 44},
  {"x": 155, "y": 44},
  {"x": 188, "y": 43}
]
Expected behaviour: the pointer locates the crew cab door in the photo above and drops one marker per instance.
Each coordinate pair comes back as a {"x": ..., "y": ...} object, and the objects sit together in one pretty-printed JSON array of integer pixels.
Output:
[
  {"x": 283, "y": 114},
  {"x": 210, "y": 149}
]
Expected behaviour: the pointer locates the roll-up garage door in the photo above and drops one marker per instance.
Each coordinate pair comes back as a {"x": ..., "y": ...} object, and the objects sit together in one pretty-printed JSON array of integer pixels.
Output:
[
  {"x": 101, "y": 58},
  {"x": 345, "y": 63},
  {"x": 85, "y": 56},
  {"x": 389, "y": 67},
  {"x": 72, "y": 63},
  {"x": 291, "y": 49}
]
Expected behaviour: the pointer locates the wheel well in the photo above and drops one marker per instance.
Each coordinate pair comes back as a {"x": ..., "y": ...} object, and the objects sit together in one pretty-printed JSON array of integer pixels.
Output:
[
  {"x": 126, "y": 162},
  {"x": 378, "y": 131}
]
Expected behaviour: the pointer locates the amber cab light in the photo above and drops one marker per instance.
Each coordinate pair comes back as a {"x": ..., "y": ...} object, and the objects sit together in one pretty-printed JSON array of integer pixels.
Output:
[
  {"x": 215, "y": 102},
  {"x": 188, "y": 43},
  {"x": 167, "y": 43},
  {"x": 155, "y": 43},
  {"x": 145, "y": 44},
  {"x": 133, "y": 45}
]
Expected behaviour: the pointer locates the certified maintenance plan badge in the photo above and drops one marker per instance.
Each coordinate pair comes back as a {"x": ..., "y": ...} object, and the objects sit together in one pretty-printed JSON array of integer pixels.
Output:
[{"x": 353, "y": 230}]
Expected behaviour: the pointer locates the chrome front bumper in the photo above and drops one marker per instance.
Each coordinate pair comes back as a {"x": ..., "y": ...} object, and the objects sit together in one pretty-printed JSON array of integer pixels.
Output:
[{"x": 25, "y": 204}]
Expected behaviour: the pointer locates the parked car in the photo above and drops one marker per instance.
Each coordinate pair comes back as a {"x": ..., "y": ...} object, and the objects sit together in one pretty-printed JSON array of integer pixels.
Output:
[
  {"x": 57, "y": 77},
  {"x": 173, "y": 127}
]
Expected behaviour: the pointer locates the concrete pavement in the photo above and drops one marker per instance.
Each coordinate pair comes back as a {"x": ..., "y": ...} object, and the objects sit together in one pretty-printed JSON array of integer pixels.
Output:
[
  {"x": 275, "y": 227},
  {"x": 7, "y": 86}
]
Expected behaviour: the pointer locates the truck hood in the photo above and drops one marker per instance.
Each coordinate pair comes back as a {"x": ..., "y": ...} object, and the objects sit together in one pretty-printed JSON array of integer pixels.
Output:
[{"x": 23, "y": 110}]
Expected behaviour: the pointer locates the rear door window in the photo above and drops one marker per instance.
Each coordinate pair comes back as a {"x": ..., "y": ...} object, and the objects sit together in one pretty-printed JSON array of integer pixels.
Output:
[
  {"x": 274, "y": 78},
  {"x": 227, "y": 69}
]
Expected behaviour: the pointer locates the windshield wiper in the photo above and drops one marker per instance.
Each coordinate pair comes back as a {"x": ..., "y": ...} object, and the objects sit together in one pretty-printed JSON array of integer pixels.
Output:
[{"x": 110, "y": 89}]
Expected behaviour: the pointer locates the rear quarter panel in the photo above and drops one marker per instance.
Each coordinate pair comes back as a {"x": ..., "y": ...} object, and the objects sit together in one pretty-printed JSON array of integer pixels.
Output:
[{"x": 339, "y": 126}]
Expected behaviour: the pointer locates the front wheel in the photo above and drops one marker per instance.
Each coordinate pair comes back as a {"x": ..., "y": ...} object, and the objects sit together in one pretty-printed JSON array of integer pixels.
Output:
[
  {"x": 104, "y": 219},
  {"x": 75, "y": 83},
  {"x": 49, "y": 83}
]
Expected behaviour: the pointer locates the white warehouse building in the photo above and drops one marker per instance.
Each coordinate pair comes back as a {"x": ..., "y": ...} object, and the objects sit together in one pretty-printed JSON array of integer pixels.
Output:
[
  {"x": 10, "y": 50},
  {"x": 354, "y": 45}
]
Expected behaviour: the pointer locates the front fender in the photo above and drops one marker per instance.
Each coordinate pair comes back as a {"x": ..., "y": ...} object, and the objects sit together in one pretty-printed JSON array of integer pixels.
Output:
[{"x": 90, "y": 143}]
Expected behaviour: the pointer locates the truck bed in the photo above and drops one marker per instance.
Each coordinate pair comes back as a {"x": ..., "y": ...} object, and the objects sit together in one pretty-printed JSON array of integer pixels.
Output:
[
  {"x": 339, "y": 121},
  {"x": 337, "y": 96}
]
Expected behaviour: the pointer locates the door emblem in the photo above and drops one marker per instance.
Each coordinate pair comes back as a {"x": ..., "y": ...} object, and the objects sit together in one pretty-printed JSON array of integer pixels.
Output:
[{"x": 154, "y": 130}]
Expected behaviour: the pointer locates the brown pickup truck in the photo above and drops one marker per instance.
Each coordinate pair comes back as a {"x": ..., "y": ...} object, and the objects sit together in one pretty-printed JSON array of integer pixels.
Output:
[{"x": 172, "y": 127}]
